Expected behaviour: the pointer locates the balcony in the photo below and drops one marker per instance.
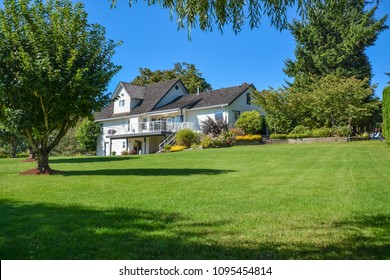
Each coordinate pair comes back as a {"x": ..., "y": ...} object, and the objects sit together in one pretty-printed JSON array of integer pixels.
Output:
[{"x": 154, "y": 127}]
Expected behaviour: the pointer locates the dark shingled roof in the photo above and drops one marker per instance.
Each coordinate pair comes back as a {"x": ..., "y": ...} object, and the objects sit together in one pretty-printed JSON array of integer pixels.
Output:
[
  {"x": 153, "y": 93},
  {"x": 209, "y": 98},
  {"x": 134, "y": 91}
]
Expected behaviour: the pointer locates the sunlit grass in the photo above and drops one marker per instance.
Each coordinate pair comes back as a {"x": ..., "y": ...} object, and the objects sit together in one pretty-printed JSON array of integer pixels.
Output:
[{"x": 315, "y": 201}]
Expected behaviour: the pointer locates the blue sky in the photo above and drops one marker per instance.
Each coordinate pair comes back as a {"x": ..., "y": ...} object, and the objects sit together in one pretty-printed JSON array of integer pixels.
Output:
[{"x": 151, "y": 39}]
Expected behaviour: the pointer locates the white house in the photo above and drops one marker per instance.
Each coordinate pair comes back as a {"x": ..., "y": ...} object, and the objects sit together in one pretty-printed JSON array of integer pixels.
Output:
[{"x": 142, "y": 119}]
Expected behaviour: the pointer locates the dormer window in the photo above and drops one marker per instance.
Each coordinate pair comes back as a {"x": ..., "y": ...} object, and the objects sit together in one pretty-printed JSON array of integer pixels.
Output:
[{"x": 122, "y": 103}]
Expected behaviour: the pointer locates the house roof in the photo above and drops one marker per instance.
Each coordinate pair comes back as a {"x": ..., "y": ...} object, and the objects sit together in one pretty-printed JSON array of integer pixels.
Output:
[
  {"x": 211, "y": 98},
  {"x": 153, "y": 93},
  {"x": 134, "y": 91}
]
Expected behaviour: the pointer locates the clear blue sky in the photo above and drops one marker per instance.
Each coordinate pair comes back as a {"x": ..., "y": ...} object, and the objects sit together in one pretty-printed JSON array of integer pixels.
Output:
[{"x": 151, "y": 39}]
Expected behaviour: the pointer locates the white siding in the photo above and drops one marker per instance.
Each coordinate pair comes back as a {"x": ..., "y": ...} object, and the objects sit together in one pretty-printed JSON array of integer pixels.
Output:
[
  {"x": 240, "y": 104},
  {"x": 176, "y": 91},
  {"x": 198, "y": 116},
  {"x": 122, "y": 97}
]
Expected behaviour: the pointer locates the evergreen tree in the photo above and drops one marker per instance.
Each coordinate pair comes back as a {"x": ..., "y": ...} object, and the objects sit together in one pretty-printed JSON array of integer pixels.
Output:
[{"x": 332, "y": 39}]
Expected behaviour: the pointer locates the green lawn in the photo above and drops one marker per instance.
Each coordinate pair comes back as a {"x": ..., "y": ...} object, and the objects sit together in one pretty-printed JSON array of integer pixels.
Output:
[{"x": 314, "y": 201}]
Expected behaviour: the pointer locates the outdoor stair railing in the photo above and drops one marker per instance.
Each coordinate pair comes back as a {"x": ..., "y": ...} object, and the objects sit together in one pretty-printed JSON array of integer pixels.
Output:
[{"x": 170, "y": 140}]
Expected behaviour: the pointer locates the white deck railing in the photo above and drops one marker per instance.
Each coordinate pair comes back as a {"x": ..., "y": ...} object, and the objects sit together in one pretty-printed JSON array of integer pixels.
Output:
[{"x": 146, "y": 127}]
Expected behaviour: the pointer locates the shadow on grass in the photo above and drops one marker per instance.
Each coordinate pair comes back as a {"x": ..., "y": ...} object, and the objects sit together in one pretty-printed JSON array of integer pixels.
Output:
[
  {"x": 90, "y": 159},
  {"x": 147, "y": 172},
  {"x": 38, "y": 231}
]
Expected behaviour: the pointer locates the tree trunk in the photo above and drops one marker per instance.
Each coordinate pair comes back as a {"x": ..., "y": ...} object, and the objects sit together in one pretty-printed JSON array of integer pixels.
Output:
[
  {"x": 13, "y": 151},
  {"x": 31, "y": 153},
  {"x": 43, "y": 163}
]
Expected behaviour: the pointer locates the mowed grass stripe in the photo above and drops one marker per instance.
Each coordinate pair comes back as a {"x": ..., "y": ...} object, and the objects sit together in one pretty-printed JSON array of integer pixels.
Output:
[{"x": 315, "y": 201}]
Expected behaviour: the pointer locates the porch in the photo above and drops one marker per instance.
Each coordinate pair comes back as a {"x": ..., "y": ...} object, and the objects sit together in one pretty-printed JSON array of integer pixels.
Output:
[
  {"x": 145, "y": 128},
  {"x": 145, "y": 137}
]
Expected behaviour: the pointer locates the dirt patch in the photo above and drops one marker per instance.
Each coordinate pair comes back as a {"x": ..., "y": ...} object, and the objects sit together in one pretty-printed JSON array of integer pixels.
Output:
[{"x": 39, "y": 172}]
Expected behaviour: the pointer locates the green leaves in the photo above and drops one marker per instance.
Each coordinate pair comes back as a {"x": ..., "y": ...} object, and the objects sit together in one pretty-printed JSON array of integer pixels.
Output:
[
  {"x": 332, "y": 39},
  {"x": 54, "y": 66},
  {"x": 187, "y": 72},
  {"x": 209, "y": 13}
]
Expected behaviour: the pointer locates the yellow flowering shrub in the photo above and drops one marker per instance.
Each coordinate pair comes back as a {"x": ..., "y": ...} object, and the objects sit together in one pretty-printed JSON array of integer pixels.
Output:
[
  {"x": 177, "y": 148},
  {"x": 248, "y": 138}
]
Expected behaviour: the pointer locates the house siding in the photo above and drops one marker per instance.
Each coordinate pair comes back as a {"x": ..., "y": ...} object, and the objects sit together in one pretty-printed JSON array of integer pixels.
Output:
[
  {"x": 200, "y": 115},
  {"x": 172, "y": 94},
  {"x": 122, "y": 96}
]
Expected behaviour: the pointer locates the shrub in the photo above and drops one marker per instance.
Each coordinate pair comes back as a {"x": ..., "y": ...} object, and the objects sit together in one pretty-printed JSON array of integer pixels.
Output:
[
  {"x": 167, "y": 148},
  {"x": 250, "y": 122},
  {"x": 113, "y": 153},
  {"x": 237, "y": 131},
  {"x": 297, "y": 135},
  {"x": 300, "y": 129},
  {"x": 177, "y": 148},
  {"x": 215, "y": 128},
  {"x": 206, "y": 141},
  {"x": 186, "y": 137},
  {"x": 342, "y": 131},
  {"x": 225, "y": 139},
  {"x": 278, "y": 136},
  {"x": 124, "y": 153},
  {"x": 321, "y": 132},
  {"x": 249, "y": 138}
]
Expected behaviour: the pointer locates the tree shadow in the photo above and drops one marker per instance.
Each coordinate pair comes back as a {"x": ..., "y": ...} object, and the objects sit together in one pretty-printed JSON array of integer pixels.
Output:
[
  {"x": 39, "y": 231},
  {"x": 147, "y": 172},
  {"x": 91, "y": 159}
]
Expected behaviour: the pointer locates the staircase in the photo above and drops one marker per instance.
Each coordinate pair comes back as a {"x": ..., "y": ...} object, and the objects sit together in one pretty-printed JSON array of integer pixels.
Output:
[{"x": 170, "y": 140}]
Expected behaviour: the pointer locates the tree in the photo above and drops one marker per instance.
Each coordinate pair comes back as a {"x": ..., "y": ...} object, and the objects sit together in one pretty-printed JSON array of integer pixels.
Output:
[
  {"x": 250, "y": 122},
  {"x": 54, "y": 70},
  {"x": 187, "y": 72},
  {"x": 207, "y": 13},
  {"x": 332, "y": 39},
  {"x": 337, "y": 101},
  {"x": 276, "y": 104},
  {"x": 87, "y": 135},
  {"x": 11, "y": 139},
  {"x": 386, "y": 114}
]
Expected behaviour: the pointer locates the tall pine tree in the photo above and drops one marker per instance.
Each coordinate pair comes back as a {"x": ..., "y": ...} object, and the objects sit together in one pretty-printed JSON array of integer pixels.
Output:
[{"x": 332, "y": 39}]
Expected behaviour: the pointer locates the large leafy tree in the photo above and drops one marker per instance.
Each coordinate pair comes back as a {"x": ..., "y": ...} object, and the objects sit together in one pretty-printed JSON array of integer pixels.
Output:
[
  {"x": 54, "y": 70},
  {"x": 337, "y": 101},
  {"x": 187, "y": 72},
  {"x": 332, "y": 39}
]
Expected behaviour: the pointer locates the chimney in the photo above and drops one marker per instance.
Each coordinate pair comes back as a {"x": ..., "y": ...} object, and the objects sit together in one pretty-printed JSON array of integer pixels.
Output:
[{"x": 197, "y": 90}]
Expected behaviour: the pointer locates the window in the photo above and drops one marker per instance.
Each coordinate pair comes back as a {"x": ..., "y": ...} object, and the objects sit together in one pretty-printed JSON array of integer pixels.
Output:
[
  {"x": 218, "y": 116},
  {"x": 248, "y": 99},
  {"x": 122, "y": 103},
  {"x": 236, "y": 115},
  {"x": 124, "y": 145}
]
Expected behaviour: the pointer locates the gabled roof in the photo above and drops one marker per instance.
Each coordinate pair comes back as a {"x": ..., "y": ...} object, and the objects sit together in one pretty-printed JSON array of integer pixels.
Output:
[
  {"x": 223, "y": 96},
  {"x": 149, "y": 94},
  {"x": 153, "y": 93},
  {"x": 133, "y": 90}
]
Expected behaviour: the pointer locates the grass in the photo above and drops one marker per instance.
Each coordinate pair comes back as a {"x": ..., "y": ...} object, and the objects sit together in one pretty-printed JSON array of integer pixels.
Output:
[{"x": 315, "y": 201}]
